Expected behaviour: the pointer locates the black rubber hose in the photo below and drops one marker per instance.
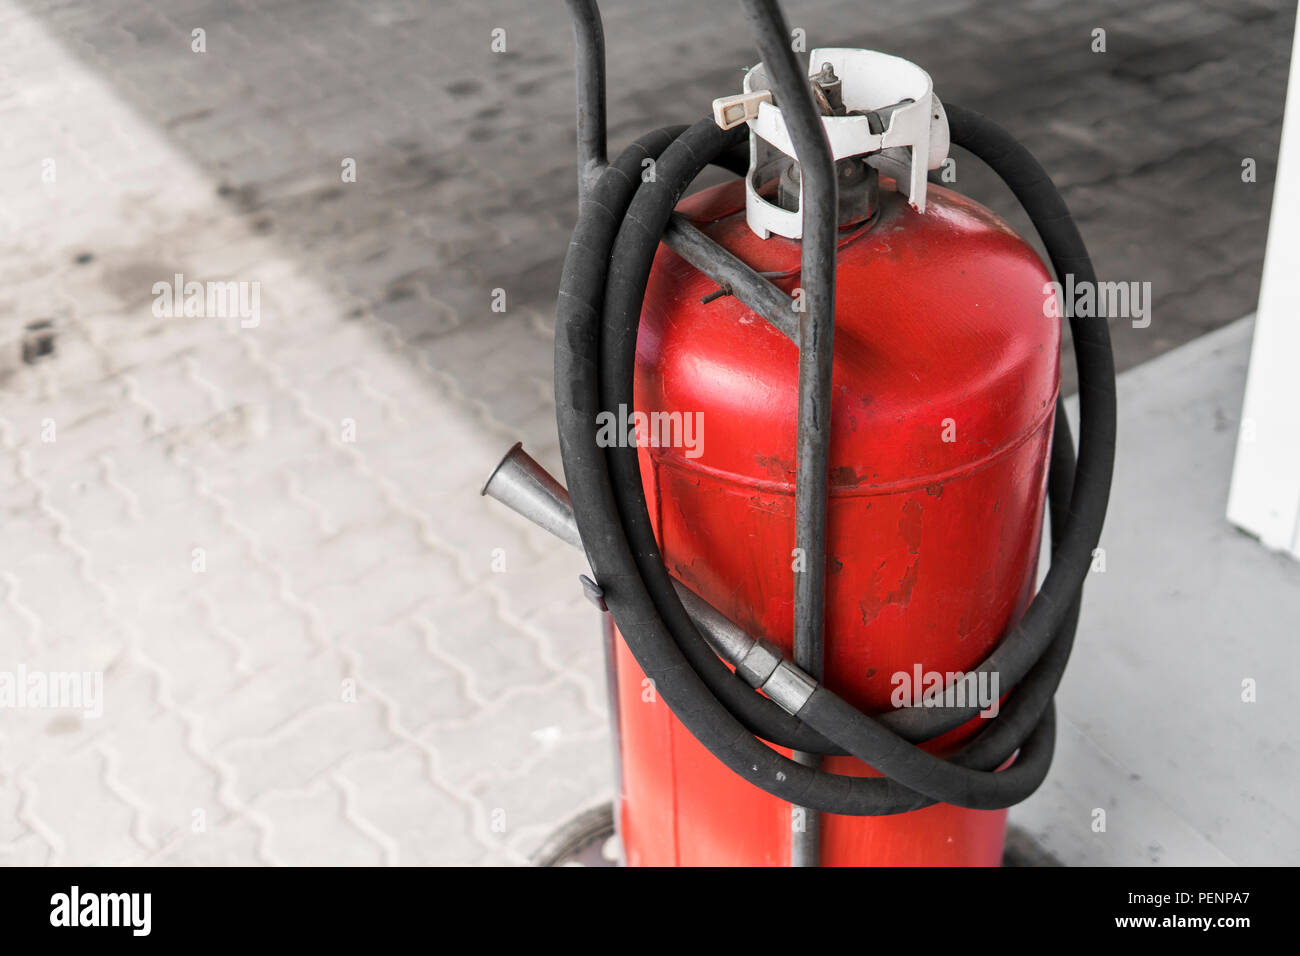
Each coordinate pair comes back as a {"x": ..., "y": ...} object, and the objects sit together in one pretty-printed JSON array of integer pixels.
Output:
[
  {"x": 1026, "y": 760},
  {"x": 874, "y": 796},
  {"x": 633, "y": 609},
  {"x": 634, "y": 251},
  {"x": 624, "y": 293}
]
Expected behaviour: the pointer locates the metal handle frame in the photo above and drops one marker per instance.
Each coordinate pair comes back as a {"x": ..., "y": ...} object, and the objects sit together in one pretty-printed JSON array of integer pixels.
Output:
[{"x": 808, "y": 320}]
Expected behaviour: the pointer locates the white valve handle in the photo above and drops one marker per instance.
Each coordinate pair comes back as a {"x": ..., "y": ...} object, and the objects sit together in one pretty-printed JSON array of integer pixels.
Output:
[{"x": 870, "y": 81}]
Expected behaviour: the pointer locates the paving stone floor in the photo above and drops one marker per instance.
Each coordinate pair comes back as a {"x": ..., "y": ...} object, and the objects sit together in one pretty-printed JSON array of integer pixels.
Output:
[{"x": 318, "y": 645}]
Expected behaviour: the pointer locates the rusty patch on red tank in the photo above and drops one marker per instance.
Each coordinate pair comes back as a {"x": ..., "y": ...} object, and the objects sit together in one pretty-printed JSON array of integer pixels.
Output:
[
  {"x": 899, "y": 596},
  {"x": 902, "y": 595},
  {"x": 775, "y": 467},
  {"x": 846, "y": 475},
  {"x": 909, "y": 526}
]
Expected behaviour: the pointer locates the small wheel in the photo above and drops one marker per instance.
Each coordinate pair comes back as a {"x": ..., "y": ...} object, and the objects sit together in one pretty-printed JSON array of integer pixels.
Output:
[{"x": 585, "y": 840}]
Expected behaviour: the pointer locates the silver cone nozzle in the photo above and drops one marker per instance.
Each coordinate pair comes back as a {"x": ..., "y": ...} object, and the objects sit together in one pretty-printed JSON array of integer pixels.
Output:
[
  {"x": 528, "y": 489},
  {"x": 525, "y": 487}
]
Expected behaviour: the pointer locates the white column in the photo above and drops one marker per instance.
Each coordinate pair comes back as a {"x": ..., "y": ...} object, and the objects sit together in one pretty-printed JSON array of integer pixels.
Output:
[{"x": 1264, "y": 498}]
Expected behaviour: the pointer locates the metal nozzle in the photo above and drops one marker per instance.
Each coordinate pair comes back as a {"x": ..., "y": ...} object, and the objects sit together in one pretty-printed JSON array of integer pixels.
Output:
[
  {"x": 528, "y": 489},
  {"x": 525, "y": 487}
]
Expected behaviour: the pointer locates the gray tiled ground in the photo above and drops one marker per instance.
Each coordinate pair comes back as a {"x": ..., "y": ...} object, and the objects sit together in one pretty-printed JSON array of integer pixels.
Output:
[{"x": 478, "y": 716}]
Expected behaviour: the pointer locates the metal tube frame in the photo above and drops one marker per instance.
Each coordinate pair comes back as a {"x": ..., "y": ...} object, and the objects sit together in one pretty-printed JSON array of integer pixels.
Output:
[
  {"x": 589, "y": 50},
  {"x": 732, "y": 275},
  {"x": 789, "y": 82},
  {"x": 808, "y": 320}
]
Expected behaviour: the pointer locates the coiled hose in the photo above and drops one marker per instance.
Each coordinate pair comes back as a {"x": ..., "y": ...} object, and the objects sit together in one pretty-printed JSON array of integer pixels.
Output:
[{"x": 605, "y": 274}]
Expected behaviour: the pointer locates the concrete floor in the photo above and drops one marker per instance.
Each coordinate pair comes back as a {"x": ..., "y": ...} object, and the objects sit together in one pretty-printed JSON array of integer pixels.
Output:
[{"x": 1153, "y": 726}]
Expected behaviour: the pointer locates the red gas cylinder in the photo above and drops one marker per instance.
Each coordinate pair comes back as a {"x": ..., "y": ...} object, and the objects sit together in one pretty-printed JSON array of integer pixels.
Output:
[{"x": 945, "y": 379}]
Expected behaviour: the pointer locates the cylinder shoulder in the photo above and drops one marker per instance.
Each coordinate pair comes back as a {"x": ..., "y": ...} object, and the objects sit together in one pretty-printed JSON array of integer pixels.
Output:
[{"x": 945, "y": 353}]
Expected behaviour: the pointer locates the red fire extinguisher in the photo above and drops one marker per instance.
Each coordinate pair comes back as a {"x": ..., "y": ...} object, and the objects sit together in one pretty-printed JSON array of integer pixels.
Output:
[{"x": 809, "y": 419}]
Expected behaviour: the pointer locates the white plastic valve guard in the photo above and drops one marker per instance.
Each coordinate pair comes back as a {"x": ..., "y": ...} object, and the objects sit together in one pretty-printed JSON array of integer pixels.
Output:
[{"x": 869, "y": 81}]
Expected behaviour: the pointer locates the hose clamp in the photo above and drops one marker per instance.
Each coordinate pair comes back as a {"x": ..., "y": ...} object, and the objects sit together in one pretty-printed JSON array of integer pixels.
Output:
[
  {"x": 790, "y": 687},
  {"x": 759, "y": 662},
  {"x": 765, "y": 668}
]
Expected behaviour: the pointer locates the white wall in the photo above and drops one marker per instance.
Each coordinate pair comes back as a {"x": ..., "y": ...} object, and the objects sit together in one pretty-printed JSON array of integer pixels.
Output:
[{"x": 1264, "y": 498}]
